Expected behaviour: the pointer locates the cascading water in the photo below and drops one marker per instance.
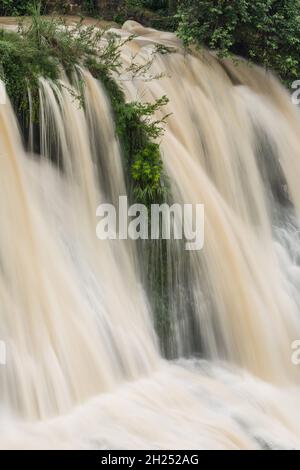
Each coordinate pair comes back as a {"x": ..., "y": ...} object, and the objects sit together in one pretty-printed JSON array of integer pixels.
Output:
[
  {"x": 83, "y": 363},
  {"x": 216, "y": 153}
]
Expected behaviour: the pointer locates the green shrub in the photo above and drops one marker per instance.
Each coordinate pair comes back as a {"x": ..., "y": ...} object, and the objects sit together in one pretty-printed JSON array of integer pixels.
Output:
[
  {"x": 146, "y": 171},
  {"x": 138, "y": 133},
  {"x": 264, "y": 31},
  {"x": 17, "y": 7}
]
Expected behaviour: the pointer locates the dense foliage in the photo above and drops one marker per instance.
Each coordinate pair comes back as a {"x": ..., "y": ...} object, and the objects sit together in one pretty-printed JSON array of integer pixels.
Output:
[
  {"x": 17, "y": 7},
  {"x": 159, "y": 14},
  {"x": 264, "y": 31}
]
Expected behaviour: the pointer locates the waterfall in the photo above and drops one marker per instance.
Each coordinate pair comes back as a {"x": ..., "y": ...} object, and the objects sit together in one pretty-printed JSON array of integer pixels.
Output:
[
  {"x": 85, "y": 366},
  {"x": 221, "y": 145},
  {"x": 67, "y": 334}
]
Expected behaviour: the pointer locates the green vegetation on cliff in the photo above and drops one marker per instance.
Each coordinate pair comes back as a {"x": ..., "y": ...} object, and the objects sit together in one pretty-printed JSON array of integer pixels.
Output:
[
  {"x": 43, "y": 47},
  {"x": 266, "y": 32}
]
